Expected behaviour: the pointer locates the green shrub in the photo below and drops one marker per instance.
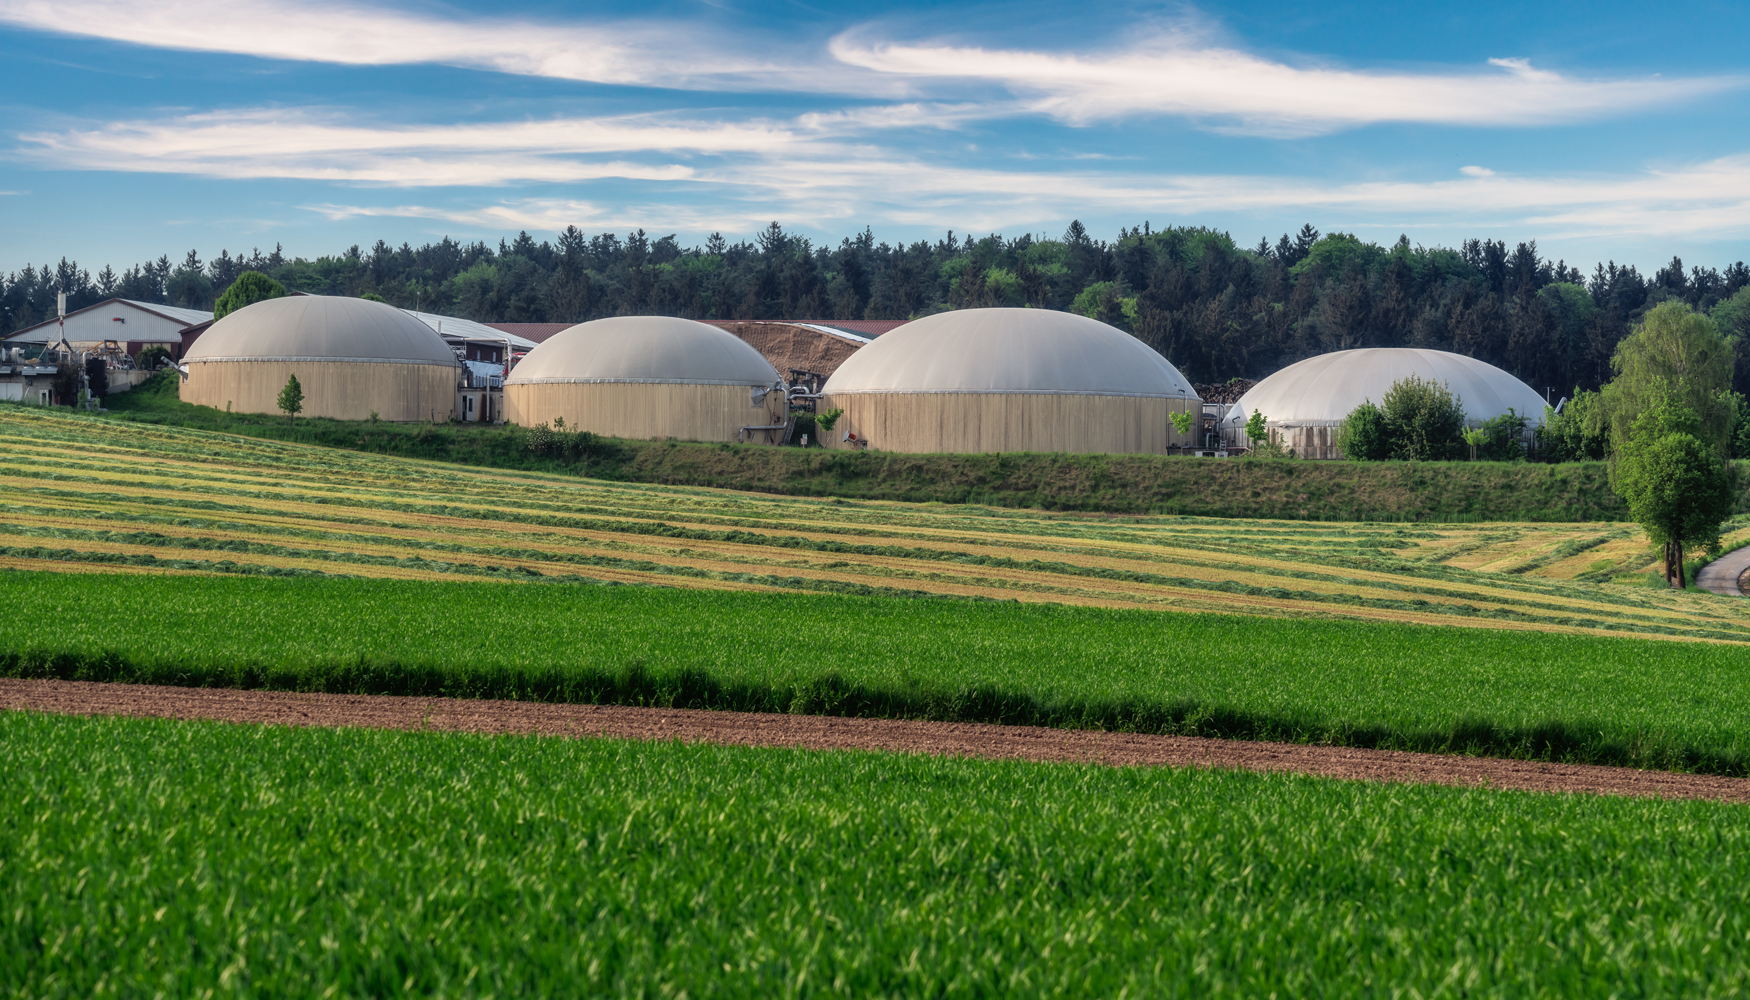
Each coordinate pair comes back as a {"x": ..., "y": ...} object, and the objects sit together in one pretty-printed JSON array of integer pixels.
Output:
[
  {"x": 1425, "y": 420},
  {"x": 1364, "y": 436},
  {"x": 1502, "y": 438},
  {"x": 1580, "y": 433},
  {"x": 540, "y": 439}
]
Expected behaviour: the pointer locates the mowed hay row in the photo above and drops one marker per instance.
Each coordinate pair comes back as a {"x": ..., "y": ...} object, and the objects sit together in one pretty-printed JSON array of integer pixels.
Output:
[
  {"x": 73, "y": 485},
  {"x": 669, "y": 503},
  {"x": 707, "y": 560}
]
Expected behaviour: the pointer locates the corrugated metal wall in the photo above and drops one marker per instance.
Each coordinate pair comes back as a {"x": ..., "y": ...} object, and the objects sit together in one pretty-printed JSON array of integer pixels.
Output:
[
  {"x": 971, "y": 423},
  {"x": 646, "y": 410},
  {"x": 344, "y": 390}
]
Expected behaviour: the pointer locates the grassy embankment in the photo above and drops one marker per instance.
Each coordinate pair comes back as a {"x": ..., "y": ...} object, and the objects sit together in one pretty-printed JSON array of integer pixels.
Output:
[
  {"x": 83, "y": 493},
  {"x": 1499, "y": 693},
  {"x": 142, "y": 857},
  {"x": 1431, "y": 491}
]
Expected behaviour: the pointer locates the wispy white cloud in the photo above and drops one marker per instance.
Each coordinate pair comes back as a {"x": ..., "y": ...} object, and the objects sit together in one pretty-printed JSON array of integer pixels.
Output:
[
  {"x": 650, "y": 54},
  {"x": 1169, "y": 72},
  {"x": 553, "y": 214},
  {"x": 318, "y": 145},
  {"x": 819, "y": 171},
  {"x": 1172, "y": 73}
]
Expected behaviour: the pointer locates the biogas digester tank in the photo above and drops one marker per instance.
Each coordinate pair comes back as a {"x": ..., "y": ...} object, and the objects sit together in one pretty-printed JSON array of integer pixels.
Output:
[
  {"x": 352, "y": 357},
  {"x": 650, "y": 378},
  {"x": 1008, "y": 380},
  {"x": 1304, "y": 405}
]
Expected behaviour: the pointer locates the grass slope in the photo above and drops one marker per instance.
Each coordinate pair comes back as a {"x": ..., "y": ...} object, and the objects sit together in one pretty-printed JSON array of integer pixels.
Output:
[
  {"x": 1438, "y": 491},
  {"x": 178, "y": 859},
  {"x": 1517, "y": 694}
]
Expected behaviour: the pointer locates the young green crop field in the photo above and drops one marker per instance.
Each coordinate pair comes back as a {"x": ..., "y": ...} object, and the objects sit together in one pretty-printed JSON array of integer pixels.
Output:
[
  {"x": 1524, "y": 694},
  {"x": 151, "y": 858},
  {"x": 86, "y": 493}
]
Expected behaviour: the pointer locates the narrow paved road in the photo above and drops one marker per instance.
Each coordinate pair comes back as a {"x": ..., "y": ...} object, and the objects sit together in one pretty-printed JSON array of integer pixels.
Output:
[{"x": 1721, "y": 575}]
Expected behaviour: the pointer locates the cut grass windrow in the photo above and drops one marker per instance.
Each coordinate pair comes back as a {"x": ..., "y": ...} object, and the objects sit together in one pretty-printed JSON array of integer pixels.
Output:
[
  {"x": 75, "y": 490},
  {"x": 1523, "y": 694}
]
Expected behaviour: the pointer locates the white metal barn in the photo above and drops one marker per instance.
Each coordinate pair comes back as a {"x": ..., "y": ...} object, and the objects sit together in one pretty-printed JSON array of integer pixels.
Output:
[
  {"x": 996, "y": 380},
  {"x": 132, "y": 325}
]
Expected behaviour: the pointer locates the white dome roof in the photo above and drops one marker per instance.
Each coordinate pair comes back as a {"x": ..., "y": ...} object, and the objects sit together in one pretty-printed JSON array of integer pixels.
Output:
[
  {"x": 1325, "y": 389},
  {"x": 645, "y": 349},
  {"x": 1009, "y": 350},
  {"x": 321, "y": 328}
]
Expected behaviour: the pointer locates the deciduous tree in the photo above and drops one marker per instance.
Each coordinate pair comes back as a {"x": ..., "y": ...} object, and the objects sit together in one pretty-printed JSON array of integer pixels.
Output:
[
  {"x": 292, "y": 399},
  {"x": 249, "y": 288},
  {"x": 1676, "y": 353},
  {"x": 1677, "y": 484}
]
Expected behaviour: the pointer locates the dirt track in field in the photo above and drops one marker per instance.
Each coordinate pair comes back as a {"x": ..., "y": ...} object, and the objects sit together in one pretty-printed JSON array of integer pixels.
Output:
[{"x": 829, "y": 733}]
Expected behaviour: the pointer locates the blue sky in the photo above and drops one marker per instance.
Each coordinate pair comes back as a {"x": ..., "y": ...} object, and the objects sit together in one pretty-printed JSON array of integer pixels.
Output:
[{"x": 1602, "y": 130}]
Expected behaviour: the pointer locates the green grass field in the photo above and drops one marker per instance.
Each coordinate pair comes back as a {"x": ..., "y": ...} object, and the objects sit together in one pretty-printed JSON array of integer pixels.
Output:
[
  {"x": 1645, "y": 703},
  {"x": 150, "y": 858}
]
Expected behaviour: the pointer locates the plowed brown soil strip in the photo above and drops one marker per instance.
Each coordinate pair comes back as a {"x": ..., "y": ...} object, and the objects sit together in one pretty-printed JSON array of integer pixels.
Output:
[{"x": 829, "y": 733}]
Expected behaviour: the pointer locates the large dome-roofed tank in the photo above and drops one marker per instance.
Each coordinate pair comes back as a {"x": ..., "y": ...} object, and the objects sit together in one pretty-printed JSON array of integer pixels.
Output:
[
  {"x": 352, "y": 357},
  {"x": 650, "y": 378},
  {"x": 1008, "y": 380},
  {"x": 1305, "y": 404}
]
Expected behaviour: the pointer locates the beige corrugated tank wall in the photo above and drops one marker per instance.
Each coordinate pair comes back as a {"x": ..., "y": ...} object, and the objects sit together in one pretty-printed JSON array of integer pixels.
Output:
[
  {"x": 343, "y": 390},
  {"x": 1308, "y": 442},
  {"x": 977, "y": 422},
  {"x": 648, "y": 411}
]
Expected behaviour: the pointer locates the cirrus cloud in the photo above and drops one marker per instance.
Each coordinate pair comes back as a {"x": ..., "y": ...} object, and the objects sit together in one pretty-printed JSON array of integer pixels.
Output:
[
  {"x": 671, "y": 55},
  {"x": 1168, "y": 73},
  {"x": 758, "y": 169},
  {"x": 1173, "y": 74}
]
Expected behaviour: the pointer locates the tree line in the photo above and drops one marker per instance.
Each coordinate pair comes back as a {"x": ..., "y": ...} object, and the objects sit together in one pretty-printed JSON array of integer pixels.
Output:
[{"x": 1216, "y": 309}]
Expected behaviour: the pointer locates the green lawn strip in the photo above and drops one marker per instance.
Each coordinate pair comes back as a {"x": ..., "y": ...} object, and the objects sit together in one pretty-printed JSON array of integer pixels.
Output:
[
  {"x": 1501, "y": 693},
  {"x": 147, "y": 857},
  {"x": 515, "y": 573}
]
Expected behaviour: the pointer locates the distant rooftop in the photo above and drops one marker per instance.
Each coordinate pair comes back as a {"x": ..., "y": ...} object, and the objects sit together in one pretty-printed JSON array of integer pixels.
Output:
[
  {"x": 861, "y": 328},
  {"x": 36, "y": 333}
]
